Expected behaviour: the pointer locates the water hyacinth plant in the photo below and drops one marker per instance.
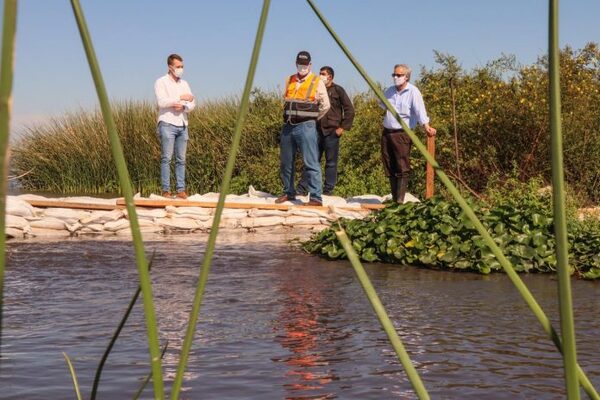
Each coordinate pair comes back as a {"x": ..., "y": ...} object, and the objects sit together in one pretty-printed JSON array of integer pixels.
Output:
[{"x": 436, "y": 234}]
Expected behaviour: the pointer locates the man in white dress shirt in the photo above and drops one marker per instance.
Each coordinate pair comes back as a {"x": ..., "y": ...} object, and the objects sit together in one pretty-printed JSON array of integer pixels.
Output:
[{"x": 175, "y": 101}]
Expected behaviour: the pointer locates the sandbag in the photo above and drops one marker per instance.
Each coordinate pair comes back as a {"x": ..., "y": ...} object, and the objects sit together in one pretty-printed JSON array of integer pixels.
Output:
[
  {"x": 49, "y": 223},
  {"x": 190, "y": 210},
  {"x": 19, "y": 207},
  {"x": 149, "y": 214},
  {"x": 42, "y": 232},
  {"x": 101, "y": 217},
  {"x": 113, "y": 226},
  {"x": 177, "y": 223},
  {"x": 14, "y": 233},
  {"x": 257, "y": 213},
  {"x": 68, "y": 215},
  {"x": 294, "y": 220},
  {"x": 14, "y": 221},
  {"x": 261, "y": 221}
]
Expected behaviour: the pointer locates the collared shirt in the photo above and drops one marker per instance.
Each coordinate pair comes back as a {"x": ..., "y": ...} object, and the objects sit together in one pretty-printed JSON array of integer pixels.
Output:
[
  {"x": 320, "y": 95},
  {"x": 408, "y": 103},
  {"x": 168, "y": 92}
]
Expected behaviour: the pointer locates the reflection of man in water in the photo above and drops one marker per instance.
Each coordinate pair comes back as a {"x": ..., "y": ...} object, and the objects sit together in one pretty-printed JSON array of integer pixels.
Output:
[{"x": 303, "y": 329}]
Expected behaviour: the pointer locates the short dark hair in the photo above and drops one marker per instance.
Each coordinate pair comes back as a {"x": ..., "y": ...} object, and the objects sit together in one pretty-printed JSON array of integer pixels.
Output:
[
  {"x": 173, "y": 57},
  {"x": 329, "y": 70}
]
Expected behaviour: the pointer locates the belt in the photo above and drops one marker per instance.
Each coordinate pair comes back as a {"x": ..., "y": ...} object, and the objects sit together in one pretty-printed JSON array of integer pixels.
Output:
[{"x": 387, "y": 130}]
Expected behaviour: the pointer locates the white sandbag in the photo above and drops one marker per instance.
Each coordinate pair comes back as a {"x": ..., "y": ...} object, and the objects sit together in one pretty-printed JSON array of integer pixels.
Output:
[
  {"x": 366, "y": 199},
  {"x": 49, "y": 223},
  {"x": 14, "y": 221},
  {"x": 101, "y": 217},
  {"x": 261, "y": 221},
  {"x": 229, "y": 223},
  {"x": 147, "y": 213},
  {"x": 234, "y": 213},
  {"x": 14, "y": 233},
  {"x": 28, "y": 196},
  {"x": 19, "y": 207},
  {"x": 68, "y": 215},
  {"x": 257, "y": 193},
  {"x": 294, "y": 220},
  {"x": 258, "y": 213},
  {"x": 308, "y": 212},
  {"x": 92, "y": 228},
  {"x": 334, "y": 200},
  {"x": 350, "y": 214},
  {"x": 42, "y": 232},
  {"x": 113, "y": 226},
  {"x": 177, "y": 223},
  {"x": 197, "y": 217},
  {"x": 189, "y": 210}
]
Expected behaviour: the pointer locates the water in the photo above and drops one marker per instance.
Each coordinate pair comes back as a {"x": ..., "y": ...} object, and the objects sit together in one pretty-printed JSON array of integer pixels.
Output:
[{"x": 278, "y": 324}]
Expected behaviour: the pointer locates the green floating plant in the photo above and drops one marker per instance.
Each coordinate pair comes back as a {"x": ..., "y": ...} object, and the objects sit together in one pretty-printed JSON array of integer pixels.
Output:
[{"x": 436, "y": 234}]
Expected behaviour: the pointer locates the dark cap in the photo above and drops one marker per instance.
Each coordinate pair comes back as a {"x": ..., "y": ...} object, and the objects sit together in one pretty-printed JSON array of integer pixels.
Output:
[{"x": 303, "y": 58}]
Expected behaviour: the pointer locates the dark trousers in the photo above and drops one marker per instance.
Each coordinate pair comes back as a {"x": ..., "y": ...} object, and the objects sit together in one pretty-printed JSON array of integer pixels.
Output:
[
  {"x": 330, "y": 146},
  {"x": 395, "y": 153}
]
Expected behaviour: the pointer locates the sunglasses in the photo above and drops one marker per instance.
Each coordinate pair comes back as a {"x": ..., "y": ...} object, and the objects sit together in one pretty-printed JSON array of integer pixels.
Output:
[{"x": 398, "y": 75}]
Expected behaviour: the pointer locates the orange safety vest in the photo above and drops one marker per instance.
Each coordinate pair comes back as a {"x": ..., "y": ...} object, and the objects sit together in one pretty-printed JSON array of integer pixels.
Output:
[{"x": 300, "y": 99}]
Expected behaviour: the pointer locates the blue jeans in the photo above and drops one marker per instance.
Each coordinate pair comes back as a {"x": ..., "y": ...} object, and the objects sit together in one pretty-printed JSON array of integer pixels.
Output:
[
  {"x": 302, "y": 137},
  {"x": 172, "y": 139},
  {"x": 330, "y": 146}
]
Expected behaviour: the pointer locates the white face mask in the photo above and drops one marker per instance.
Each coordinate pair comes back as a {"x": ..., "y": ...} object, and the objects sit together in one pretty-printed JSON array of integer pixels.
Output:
[
  {"x": 302, "y": 69},
  {"x": 178, "y": 72},
  {"x": 325, "y": 79},
  {"x": 399, "y": 80}
]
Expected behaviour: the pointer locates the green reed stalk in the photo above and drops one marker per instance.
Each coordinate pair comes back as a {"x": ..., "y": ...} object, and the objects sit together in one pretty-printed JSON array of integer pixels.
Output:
[
  {"x": 383, "y": 317},
  {"x": 9, "y": 27},
  {"x": 125, "y": 183},
  {"x": 506, "y": 265},
  {"x": 73, "y": 376},
  {"x": 567, "y": 327},
  {"x": 116, "y": 334},
  {"x": 235, "y": 144}
]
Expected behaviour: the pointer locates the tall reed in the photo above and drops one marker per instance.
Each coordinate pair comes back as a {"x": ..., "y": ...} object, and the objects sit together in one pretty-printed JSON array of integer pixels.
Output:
[
  {"x": 567, "y": 327},
  {"x": 504, "y": 262},
  {"x": 212, "y": 239},
  {"x": 125, "y": 185},
  {"x": 9, "y": 27}
]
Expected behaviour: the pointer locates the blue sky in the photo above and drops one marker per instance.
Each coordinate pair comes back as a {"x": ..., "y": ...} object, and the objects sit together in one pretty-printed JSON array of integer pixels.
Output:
[{"x": 133, "y": 37}]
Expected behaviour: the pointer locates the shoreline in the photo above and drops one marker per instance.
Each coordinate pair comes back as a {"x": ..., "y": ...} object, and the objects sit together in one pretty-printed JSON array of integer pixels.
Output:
[{"x": 32, "y": 216}]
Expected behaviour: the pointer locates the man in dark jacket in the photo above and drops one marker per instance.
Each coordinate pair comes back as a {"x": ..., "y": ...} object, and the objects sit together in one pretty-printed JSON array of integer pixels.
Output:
[{"x": 330, "y": 128}]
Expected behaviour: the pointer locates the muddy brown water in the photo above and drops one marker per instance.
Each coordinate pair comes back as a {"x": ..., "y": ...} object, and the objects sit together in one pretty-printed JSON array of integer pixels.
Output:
[{"x": 278, "y": 324}]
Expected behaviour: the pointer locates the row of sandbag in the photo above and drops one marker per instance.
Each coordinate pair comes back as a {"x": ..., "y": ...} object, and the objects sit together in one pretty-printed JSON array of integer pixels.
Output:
[{"x": 24, "y": 220}]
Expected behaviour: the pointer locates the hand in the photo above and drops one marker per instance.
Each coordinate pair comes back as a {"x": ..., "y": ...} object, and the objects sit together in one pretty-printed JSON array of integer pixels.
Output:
[
  {"x": 430, "y": 131},
  {"x": 186, "y": 97},
  {"x": 178, "y": 107},
  {"x": 339, "y": 131}
]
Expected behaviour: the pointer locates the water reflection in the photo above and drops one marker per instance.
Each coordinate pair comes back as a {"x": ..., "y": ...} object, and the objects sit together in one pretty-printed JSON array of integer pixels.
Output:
[{"x": 306, "y": 327}]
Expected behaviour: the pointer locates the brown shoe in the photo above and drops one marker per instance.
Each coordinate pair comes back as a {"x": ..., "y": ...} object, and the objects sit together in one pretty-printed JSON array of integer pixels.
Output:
[
  {"x": 314, "y": 203},
  {"x": 167, "y": 194},
  {"x": 284, "y": 198},
  {"x": 181, "y": 195}
]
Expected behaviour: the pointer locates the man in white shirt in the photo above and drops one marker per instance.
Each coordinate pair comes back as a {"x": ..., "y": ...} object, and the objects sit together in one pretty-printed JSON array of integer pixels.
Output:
[{"x": 175, "y": 101}]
